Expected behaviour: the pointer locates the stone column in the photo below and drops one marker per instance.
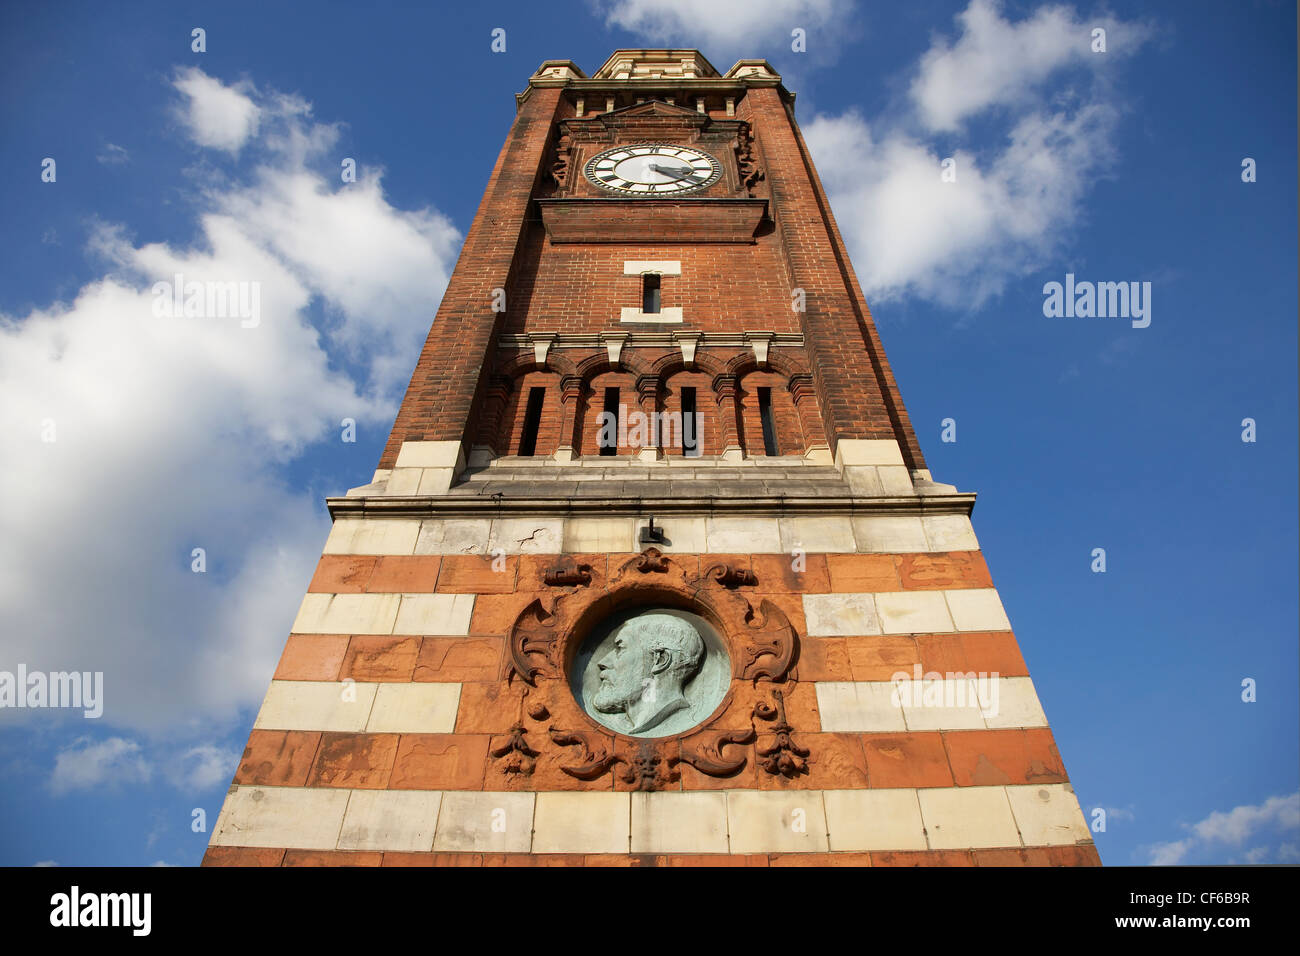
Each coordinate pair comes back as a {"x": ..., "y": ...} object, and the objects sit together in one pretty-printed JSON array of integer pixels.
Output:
[
  {"x": 804, "y": 395},
  {"x": 647, "y": 391},
  {"x": 570, "y": 446},
  {"x": 726, "y": 393}
]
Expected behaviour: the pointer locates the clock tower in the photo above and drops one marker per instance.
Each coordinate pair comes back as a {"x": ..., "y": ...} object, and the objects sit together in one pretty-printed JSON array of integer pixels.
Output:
[{"x": 652, "y": 570}]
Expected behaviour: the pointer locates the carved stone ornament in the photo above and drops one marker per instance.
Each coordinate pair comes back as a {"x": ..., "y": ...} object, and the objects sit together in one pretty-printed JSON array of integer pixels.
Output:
[
  {"x": 653, "y": 657},
  {"x": 567, "y": 574},
  {"x": 783, "y": 757},
  {"x": 516, "y": 754},
  {"x": 747, "y": 165},
  {"x": 760, "y": 641}
]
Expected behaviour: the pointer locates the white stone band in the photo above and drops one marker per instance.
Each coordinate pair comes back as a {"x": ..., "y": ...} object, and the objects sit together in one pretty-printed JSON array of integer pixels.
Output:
[
  {"x": 979, "y": 703},
  {"x": 716, "y": 534},
  {"x": 736, "y": 821},
  {"x": 360, "y": 706}
]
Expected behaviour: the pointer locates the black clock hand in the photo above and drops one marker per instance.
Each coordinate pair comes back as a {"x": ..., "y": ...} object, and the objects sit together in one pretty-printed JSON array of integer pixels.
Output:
[{"x": 677, "y": 172}]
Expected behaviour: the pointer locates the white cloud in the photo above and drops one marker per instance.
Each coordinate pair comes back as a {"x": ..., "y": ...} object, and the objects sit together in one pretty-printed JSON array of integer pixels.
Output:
[
  {"x": 1169, "y": 854},
  {"x": 108, "y": 763},
  {"x": 219, "y": 116},
  {"x": 176, "y": 433},
  {"x": 202, "y": 767},
  {"x": 996, "y": 62},
  {"x": 957, "y": 243},
  {"x": 1238, "y": 824},
  {"x": 740, "y": 27},
  {"x": 113, "y": 155},
  {"x": 1017, "y": 195},
  {"x": 1232, "y": 829}
]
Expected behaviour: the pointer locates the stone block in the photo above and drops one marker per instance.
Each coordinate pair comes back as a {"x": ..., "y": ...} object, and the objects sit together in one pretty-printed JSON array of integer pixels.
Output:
[
  {"x": 874, "y": 820},
  {"x": 302, "y": 817},
  {"x": 416, "y": 708},
  {"x": 859, "y": 707},
  {"x": 578, "y": 822},
  {"x": 840, "y": 615},
  {"x": 679, "y": 822},
  {"x": 968, "y": 817},
  {"x": 492, "y": 822},
  {"x": 774, "y": 821},
  {"x": 315, "y": 705},
  {"x": 390, "y": 820}
]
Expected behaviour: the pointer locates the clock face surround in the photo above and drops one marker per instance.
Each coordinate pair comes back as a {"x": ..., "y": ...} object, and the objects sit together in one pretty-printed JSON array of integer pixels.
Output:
[{"x": 653, "y": 169}]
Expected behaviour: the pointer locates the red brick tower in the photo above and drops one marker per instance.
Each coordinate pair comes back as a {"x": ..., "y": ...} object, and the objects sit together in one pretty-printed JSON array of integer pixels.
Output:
[{"x": 653, "y": 394}]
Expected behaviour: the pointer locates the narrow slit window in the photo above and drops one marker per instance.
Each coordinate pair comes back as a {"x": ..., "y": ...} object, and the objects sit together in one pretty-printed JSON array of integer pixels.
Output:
[
  {"x": 650, "y": 293},
  {"x": 532, "y": 419},
  {"x": 608, "y": 438},
  {"x": 765, "y": 416},
  {"x": 690, "y": 425}
]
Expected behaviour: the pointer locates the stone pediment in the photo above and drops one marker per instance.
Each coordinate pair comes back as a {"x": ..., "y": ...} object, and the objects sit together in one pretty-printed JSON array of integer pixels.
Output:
[
  {"x": 653, "y": 108},
  {"x": 653, "y": 119}
]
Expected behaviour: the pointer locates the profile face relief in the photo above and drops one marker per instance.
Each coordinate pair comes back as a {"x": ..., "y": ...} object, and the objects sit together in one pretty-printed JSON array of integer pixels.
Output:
[{"x": 643, "y": 674}]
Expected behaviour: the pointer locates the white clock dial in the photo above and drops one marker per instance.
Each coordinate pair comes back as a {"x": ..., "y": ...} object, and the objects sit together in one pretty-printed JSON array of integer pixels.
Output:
[{"x": 653, "y": 169}]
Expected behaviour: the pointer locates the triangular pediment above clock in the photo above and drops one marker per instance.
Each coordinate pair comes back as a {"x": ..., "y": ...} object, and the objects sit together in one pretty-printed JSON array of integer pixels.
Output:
[
  {"x": 654, "y": 108},
  {"x": 654, "y": 119}
]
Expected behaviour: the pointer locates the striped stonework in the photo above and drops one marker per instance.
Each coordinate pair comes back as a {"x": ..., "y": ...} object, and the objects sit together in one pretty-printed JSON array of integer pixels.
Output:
[{"x": 927, "y": 742}]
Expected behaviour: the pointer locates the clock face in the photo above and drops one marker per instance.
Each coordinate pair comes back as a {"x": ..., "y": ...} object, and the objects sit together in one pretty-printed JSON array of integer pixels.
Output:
[{"x": 653, "y": 169}]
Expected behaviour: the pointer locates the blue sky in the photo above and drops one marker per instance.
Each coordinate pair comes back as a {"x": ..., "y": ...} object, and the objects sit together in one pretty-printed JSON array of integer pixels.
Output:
[{"x": 1077, "y": 433}]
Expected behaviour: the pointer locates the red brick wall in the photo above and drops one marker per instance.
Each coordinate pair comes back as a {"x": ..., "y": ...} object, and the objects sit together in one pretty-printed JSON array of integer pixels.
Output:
[
  {"x": 723, "y": 287},
  {"x": 580, "y": 287}
]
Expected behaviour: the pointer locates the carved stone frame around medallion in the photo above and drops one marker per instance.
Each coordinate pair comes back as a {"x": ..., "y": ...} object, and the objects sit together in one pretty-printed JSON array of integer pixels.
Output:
[{"x": 760, "y": 641}]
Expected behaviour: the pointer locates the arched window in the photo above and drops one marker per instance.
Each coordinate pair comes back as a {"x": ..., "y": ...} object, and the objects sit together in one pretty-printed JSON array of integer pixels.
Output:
[
  {"x": 769, "y": 417},
  {"x": 530, "y": 423}
]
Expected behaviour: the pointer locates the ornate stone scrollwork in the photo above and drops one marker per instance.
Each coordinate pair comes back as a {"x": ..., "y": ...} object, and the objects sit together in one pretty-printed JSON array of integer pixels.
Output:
[
  {"x": 707, "y": 756},
  {"x": 638, "y": 603},
  {"x": 532, "y": 643},
  {"x": 770, "y": 650},
  {"x": 518, "y": 756},
  {"x": 730, "y": 576},
  {"x": 783, "y": 757},
  {"x": 561, "y": 154},
  {"x": 649, "y": 561},
  {"x": 746, "y": 159},
  {"x": 595, "y": 759}
]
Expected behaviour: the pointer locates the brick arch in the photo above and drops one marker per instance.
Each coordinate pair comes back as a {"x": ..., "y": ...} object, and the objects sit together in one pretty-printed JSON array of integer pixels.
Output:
[
  {"x": 671, "y": 363},
  {"x": 525, "y": 362},
  {"x": 599, "y": 363},
  {"x": 777, "y": 361},
  {"x": 503, "y": 428},
  {"x": 712, "y": 407},
  {"x": 796, "y": 416}
]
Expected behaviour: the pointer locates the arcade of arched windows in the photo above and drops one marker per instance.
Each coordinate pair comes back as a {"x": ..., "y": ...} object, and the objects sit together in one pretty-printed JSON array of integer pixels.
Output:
[{"x": 605, "y": 409}]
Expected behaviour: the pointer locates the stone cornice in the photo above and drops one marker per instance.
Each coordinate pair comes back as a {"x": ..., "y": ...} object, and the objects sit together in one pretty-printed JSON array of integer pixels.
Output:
[
  {"x": 721, "y": 86},
  {"x": 450, "y": 506},
  {"x": 646, "y": 340}
]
